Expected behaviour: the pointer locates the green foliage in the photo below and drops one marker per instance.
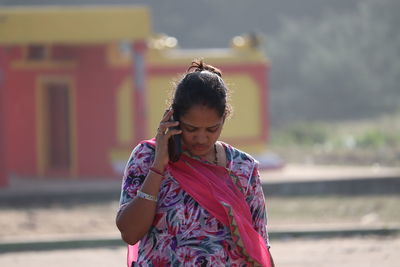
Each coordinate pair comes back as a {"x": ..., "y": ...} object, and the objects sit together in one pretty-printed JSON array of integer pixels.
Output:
[
  {"x": 376, "y": 138},
  {"x": 364, "y": 142},
  {"x": 304, "y": 133},
  {"x": 367, "y": 134}
]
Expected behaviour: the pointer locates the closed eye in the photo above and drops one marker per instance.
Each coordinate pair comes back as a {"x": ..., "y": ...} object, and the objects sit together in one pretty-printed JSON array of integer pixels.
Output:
[
  {"x": 213, "y": 129},
  {"x": 190, "y": 129}
]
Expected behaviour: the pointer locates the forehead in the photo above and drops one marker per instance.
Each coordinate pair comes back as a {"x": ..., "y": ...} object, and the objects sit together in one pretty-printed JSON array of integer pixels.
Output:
[{"x": 201, "y": 116}]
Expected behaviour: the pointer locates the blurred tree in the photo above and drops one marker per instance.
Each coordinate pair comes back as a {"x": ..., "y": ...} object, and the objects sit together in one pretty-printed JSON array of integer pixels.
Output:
[{"x": 340, "y": 66}]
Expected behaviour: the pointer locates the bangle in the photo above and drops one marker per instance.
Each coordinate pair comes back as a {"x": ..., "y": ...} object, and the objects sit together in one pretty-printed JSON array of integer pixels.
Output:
[
  {"x": 156, "y": 171},
  {"x": 146, "y": 196}
]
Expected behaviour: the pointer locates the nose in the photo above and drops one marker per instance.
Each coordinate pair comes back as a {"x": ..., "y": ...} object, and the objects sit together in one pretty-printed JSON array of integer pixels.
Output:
[{"x": 201, "y": 137}]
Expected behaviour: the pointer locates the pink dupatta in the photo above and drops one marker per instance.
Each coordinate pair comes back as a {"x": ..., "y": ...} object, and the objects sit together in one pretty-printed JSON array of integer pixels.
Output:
[{"x": 213, "y": 188}]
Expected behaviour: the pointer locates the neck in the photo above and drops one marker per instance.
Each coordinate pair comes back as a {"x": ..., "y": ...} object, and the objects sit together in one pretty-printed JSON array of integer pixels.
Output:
[{"x": 212, "y": 156}]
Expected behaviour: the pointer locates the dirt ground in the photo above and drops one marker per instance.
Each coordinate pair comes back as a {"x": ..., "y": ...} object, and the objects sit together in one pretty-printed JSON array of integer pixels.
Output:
[
  {"x": 349, "y": 252},
  {"x": 33, "y": 222}
]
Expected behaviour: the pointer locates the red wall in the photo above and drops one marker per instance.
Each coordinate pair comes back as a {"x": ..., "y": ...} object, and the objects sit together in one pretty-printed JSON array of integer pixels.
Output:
[
  {"x": 3, "y": 120},
  {"x": 95, "y": 84},
  {"x": 95, "y": 112},
  {"x": 21, "y": 131}
]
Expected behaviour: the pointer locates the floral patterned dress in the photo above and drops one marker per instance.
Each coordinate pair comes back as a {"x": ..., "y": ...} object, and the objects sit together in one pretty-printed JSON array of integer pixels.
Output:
[{"x": 183, "y": 233}]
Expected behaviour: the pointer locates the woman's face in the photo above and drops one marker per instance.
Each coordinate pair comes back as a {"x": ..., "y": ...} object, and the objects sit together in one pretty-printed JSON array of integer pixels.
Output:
[{"x": 201, "y": 127}]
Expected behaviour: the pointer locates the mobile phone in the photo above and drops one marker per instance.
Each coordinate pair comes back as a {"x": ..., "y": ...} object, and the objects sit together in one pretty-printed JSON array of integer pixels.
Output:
[{"x": 174, "y": 145}]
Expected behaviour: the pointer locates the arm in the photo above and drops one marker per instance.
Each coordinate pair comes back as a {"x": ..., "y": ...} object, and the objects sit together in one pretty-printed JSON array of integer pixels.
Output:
[{"x": 136, "y": 217}]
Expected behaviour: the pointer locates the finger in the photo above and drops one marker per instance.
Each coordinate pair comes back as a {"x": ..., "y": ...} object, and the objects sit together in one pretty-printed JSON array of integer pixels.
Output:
[
  {"x": 165, "y": 112},
  {"x": 172, "y": 132},
  {"x": 164, "y": 126},
  {"x": 162, "y": 129},
  {"x": 160, "y": 132},
  {"x": 167, "y": 115},
  {"x": 168, "y": 124}
]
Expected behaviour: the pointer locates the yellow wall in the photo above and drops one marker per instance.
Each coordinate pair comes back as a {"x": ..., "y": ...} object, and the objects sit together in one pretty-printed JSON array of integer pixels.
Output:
[
  {"x": 245, "y": 99},
  {"x": 158, "y": 88},
  {"x": 21, "y": 25},
  {"x": 125, "y": 112}
]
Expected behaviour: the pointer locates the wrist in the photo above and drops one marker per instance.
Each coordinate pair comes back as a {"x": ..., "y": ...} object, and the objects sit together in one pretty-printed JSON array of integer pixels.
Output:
[{"x": 158, "y": 167}]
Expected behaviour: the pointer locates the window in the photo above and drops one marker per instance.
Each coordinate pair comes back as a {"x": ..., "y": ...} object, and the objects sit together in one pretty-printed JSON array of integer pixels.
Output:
[{"x": 36, "y": 53}]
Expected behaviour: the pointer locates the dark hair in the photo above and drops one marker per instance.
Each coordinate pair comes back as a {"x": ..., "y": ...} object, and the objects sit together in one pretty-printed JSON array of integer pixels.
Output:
[{"x": 201, "y": 85}]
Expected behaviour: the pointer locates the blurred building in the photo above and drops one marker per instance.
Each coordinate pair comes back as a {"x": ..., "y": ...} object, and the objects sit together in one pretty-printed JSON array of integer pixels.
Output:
[{"x": 80, "y": 86}]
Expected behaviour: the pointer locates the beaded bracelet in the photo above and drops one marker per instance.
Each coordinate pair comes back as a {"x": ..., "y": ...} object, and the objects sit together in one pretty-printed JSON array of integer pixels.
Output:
[
  {"x": 156, "y": 171},
  {"x": 146, "y": 196}
]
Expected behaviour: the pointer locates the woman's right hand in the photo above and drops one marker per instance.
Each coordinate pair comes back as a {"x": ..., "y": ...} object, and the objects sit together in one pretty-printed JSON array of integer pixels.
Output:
[
  {"x": 163, "y": 134},
  {"x": 136, "y": 218}
]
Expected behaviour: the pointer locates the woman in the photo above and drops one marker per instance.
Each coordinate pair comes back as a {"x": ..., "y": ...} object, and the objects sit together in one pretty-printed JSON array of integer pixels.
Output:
[{"x": 205, "y": 209}]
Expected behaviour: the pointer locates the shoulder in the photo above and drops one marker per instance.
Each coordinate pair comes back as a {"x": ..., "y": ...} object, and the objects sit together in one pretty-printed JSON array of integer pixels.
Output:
[
  {"x": 239, "y": 161},
  {"x": 142, "y": 155},
  {"x": 236, "y": 155},
  {"x": 142, "y": 150}
]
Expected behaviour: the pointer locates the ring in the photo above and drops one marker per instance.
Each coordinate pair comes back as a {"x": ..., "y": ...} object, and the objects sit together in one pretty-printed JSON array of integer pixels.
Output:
[{"x": 160, "y": 132}]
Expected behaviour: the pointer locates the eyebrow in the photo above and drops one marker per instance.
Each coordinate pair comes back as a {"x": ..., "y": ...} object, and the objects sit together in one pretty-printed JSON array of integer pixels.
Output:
[{"x": 187, "y": 124}]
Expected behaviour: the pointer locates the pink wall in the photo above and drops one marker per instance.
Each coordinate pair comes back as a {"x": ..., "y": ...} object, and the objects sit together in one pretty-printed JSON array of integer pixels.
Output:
[
  {"x": 3, "y": 119},
  {"x": 95, "y": 84},
  {"x": 21, "y": 129}
]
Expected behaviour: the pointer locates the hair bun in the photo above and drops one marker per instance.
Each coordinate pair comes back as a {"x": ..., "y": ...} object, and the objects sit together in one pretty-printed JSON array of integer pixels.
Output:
[{"x": 199, "y": 65}]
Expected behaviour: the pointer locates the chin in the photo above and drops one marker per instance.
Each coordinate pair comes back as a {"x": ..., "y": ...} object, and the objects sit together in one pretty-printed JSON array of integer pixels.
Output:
[{"x": 199, "y": 152}]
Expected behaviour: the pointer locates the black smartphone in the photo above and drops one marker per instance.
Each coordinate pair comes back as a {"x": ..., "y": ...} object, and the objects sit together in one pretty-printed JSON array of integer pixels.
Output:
[{"x": 174, "y": 145}]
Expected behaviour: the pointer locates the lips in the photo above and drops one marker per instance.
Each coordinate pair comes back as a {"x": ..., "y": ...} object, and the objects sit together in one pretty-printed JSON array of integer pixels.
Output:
[{"x": 200, "y": 147}]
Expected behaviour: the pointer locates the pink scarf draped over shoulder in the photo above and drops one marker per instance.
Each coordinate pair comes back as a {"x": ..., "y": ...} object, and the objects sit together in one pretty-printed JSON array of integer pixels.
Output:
[{"x": 213, "y": 188}]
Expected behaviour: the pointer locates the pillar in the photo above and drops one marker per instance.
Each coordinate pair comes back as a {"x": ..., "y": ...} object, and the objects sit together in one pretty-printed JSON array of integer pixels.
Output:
[{"x": 139, "y": 81}]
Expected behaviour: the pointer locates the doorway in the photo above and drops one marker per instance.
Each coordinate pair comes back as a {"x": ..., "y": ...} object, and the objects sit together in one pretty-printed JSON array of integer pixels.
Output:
[
  {"x": 56, "y": 154},
  {"x": 58, "y": 131}
]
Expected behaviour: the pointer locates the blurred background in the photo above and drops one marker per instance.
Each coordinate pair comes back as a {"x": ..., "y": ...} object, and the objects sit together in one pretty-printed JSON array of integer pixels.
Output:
[{"x": 324, "y": 101}]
